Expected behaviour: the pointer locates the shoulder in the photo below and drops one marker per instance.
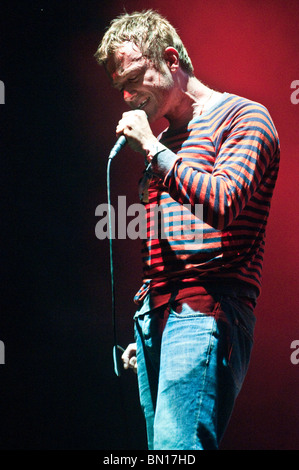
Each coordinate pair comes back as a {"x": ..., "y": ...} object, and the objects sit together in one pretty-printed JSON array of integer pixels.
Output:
[
  {"x": 244, "y": 110},
  {"x": 243, "y": 106}
]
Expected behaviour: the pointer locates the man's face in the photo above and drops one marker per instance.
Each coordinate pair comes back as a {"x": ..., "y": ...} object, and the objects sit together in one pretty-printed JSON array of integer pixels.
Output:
[{"x": 143, "y": 86}]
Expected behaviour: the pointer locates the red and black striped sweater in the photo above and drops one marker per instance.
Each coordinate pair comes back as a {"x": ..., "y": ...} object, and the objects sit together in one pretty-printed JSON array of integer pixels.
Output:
[{"x": 227, "y": 164}]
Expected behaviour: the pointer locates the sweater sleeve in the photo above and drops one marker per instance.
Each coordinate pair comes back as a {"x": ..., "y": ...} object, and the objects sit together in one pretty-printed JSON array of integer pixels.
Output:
[{"x": 243, "y": 154}]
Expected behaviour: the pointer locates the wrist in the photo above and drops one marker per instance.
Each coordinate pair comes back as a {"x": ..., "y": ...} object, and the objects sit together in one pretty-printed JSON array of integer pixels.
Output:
[{"x": 152, "y": 148}]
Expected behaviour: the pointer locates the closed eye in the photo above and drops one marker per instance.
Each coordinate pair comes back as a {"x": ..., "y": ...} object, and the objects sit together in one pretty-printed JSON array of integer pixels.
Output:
[{"x": 133, "y": 79}]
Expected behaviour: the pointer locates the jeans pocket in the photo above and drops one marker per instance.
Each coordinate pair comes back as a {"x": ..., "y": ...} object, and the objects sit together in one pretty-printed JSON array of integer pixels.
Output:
[{"x": 239, "y": 346}]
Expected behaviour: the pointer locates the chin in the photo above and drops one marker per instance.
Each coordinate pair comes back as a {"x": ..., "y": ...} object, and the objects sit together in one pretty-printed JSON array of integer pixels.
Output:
[{"x": 153, "y": 116}]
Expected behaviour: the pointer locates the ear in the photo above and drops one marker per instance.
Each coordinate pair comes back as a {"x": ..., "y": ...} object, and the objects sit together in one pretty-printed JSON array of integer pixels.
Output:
[{"x": 171, "y": 57}]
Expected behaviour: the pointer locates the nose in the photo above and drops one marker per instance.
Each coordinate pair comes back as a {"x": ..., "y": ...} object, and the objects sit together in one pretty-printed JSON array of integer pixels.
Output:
[{"x": 129, "y": 96}]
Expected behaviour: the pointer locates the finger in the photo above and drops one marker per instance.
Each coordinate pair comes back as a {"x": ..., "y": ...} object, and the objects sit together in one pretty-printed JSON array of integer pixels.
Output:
[
  {"x": 128, "y": 355},
  {"x": 123, "y": 128},
  {"x": 120, "y": 128},
  {"x": 126, "y": 359},
  {"x": 133, "y": 362}
]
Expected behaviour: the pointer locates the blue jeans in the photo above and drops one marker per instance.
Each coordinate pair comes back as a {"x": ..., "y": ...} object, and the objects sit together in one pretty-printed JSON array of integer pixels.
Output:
[{"x": 192, "y": 361}]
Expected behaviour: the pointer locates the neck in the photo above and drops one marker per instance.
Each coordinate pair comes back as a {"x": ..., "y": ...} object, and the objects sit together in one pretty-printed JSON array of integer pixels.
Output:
[{"x": 191, "y": 98}]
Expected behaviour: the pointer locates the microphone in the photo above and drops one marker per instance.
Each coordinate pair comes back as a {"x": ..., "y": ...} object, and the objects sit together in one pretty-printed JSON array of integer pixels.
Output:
[{"x": 120, "y": 143}]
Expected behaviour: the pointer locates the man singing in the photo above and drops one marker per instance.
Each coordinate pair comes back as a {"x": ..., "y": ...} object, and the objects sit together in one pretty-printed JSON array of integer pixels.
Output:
[{"x": 194, "y": 322}]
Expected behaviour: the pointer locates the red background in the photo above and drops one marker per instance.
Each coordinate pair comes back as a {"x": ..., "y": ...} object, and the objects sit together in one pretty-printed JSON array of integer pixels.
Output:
[
  {"x": 249, "y": 48},
  {"x": 60, "y": 115}
]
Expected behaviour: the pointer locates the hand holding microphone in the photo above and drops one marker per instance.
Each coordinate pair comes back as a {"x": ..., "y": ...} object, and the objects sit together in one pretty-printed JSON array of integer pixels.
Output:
[{"x": 134, "y": 129}]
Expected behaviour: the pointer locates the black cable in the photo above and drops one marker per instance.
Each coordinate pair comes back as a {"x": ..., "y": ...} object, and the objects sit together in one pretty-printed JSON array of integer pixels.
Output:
[{"x": 117, "y": 350}]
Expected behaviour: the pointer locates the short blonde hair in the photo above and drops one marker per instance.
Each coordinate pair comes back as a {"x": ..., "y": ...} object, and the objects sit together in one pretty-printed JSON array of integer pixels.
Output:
[{"x": 150, "y": 32}]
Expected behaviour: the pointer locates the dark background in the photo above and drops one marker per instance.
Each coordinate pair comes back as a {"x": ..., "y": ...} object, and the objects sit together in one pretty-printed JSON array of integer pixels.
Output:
[{"x": 57, "y": 386}]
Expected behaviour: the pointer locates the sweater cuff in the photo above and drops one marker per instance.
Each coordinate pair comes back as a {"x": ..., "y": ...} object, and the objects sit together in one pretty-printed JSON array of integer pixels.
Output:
[{"x": 169, "y": 178}]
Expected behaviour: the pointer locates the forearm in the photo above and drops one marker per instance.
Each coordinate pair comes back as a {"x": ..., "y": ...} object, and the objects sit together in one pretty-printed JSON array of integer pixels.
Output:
[
  {"x": 220, "y": 198},
  {"x": 223, "y": 192},
  {"x": 177, "y": 177}
]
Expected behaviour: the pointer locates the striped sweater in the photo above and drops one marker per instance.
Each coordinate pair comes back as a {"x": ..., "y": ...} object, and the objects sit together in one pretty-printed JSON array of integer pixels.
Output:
[{"x": 227, "y": 165}]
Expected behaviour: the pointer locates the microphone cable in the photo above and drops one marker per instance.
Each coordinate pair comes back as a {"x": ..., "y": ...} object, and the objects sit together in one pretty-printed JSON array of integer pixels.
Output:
[{"x": 117, "y": 350}]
